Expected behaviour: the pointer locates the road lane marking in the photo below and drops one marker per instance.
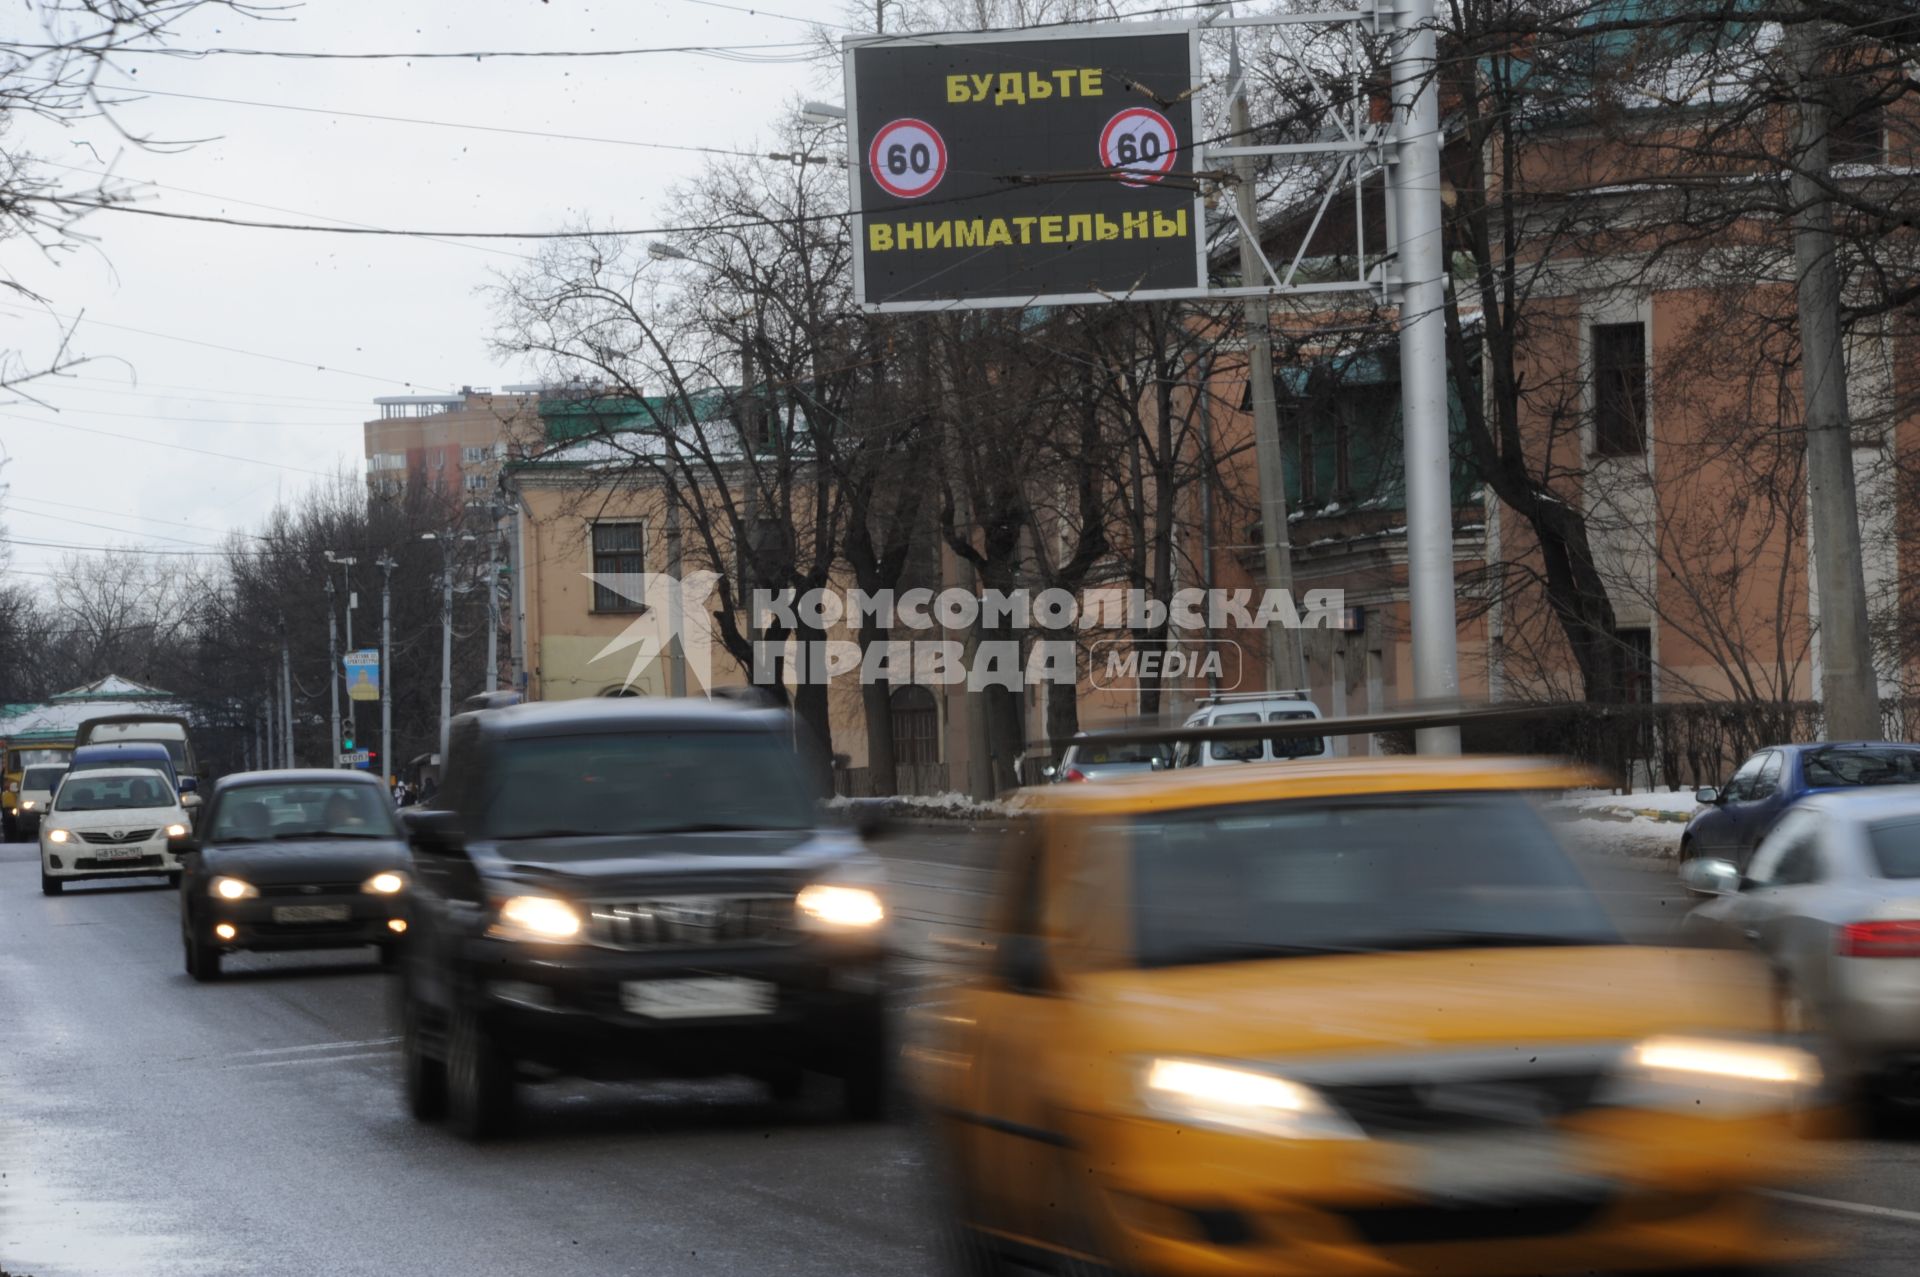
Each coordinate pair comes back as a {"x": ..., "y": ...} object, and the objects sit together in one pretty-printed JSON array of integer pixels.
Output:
[
  {"x": 321, "y": 1046},
  {"x": 1849, "y": 1208},
  {"x": 312, "y": 1059}
]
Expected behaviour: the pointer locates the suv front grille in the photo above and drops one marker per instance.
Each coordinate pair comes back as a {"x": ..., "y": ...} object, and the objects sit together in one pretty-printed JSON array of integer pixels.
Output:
[
  {"x": 691, "y": 921},
  {"x": 105, "y": 838}
]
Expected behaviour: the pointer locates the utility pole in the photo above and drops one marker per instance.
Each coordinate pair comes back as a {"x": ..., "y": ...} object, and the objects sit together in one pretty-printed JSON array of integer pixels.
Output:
[
  {"x": 493, "y": 598},
  {"x": 446, "y": 648},
  {"x": 1415, "y": 179},
  {"x": 286, "y": 698},
  {"x": 677, "y": 657},
  {"x": 385, "y": 564},
  {"x": 1849, "y": 688},
  {"x": 1284, "y": 670},
  {"x": 333, "y": 665}
]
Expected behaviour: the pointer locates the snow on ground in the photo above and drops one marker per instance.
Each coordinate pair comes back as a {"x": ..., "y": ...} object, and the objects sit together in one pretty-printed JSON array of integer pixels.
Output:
[{"x": 1645, "y": 825}]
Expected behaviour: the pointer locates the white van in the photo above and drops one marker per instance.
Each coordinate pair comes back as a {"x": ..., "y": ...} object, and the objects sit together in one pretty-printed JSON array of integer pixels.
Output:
[{"x": 1241, "y": 709}]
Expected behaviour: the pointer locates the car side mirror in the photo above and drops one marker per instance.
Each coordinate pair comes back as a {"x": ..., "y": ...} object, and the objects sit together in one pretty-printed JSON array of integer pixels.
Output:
[
  {"x": 1711, "y": 877},
  {"x": 1021, "y": 961},
  {"x": 1158, "y": 764},
  {"x": 434, "y": 832},
  {"x": 1707, "y": 795},
  {"x": 1049, "y": 772},
  {"x": 189, "y": 785}
]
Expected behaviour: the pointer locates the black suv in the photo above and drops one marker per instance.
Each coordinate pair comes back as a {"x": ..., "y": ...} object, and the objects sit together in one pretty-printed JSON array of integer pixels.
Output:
[{"x": 620, "y": 888}]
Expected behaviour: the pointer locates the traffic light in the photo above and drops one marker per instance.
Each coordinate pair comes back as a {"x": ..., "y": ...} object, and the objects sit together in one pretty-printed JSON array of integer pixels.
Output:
[{"x": 346, "y": 744}]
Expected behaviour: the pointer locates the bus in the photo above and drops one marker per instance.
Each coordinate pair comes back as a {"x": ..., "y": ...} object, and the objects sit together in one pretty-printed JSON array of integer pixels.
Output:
[{"x": 35, "y": 747}]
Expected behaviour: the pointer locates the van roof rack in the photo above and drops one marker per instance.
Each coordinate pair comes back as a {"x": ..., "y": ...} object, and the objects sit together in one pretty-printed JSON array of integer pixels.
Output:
[{"x": 1284, "y": 694}]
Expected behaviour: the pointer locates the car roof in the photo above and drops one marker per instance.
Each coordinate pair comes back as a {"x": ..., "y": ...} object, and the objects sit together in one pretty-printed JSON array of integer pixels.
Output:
[
  {"x": 1807, "y": 746},
  {"x": 1331, "y": 778},
  {"x": 624, "y": 713},
  {"x": 133, "y": 748},
  {"x": 296, "y": 775}
]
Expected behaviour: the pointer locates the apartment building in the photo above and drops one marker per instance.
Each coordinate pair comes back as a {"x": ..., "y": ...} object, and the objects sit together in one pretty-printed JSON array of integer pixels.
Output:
[{"x": 449, "y": 444}]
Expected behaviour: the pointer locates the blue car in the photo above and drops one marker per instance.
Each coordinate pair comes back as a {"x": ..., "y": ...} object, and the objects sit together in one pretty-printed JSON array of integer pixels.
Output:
[{"x": 1734, "y": 817}]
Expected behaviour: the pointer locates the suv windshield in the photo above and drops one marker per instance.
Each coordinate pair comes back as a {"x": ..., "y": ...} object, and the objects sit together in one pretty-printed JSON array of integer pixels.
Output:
[
  {"x": 1833, "y": 768},
  {"x": 305, "y": 809},
  {"x": 1277, "y": 879},
  {"x": 648, "y": 783},
  {"x": 38, "y": 778},
  {"x": 110, "y": 793}
]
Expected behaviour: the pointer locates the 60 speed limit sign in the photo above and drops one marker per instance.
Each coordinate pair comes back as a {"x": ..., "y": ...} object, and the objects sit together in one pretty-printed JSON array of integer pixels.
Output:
[
  {"x": 907, "y": 158},
  {"x": 1140, "y": 144}
]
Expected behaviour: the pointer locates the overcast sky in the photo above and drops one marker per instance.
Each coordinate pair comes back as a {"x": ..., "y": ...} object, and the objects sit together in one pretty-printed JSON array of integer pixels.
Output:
[{"x": 344, "y": 318}]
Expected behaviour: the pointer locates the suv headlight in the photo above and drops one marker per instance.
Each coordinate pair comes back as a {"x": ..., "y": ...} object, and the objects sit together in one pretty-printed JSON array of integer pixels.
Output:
[
  {"x": 385, "y": 884},
  {"x": 1232, "y": 1097},
  {"x": 852, "y": 907},
  {"x": 225, "y": 888},
  {"x": 539, "y": 918}
]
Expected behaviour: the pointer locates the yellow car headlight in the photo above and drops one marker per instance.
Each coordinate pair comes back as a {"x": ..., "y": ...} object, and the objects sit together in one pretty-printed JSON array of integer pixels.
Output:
[
  {"x": 540, "y": 918},
  {"x": 841, "y": 906},
  {"x": 1717, "y": 1076},
  {"x": 226, "y": 888},
  {"x": 1235, "y": 1098},
  {"x": 58, "y": 835},
  {"x": 384, "y": 884},
  {"x": 28, "y": 805}
]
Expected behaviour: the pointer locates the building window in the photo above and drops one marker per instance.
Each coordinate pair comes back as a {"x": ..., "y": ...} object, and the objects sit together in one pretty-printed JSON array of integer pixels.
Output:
[
  {"x": 1858, "y": 135},
  {"x": 1638, "y": 660},
  {"x": 1619, "y": 390},
  {"x": 916, "y": 727},
  {"x": 478, "y": 482},
  {"x": 618, "y": 549},
  {"x": 387, "y": 461},
  {"x": 476, "y": 456}
]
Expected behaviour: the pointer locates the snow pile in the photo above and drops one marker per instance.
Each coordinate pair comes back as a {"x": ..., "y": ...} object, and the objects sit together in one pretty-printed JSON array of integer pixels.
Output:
[
  {"x": 948, "y": 806},
  {"x": 1641, "y": 825}
]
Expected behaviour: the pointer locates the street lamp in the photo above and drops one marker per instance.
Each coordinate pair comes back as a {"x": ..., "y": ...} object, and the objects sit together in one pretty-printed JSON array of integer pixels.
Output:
[
  {"x": 823, "y": 113},
  {"x": 664, "y": 252},
  {"x": 345, "y": 563},
  {"x": 446, "y": 541}
]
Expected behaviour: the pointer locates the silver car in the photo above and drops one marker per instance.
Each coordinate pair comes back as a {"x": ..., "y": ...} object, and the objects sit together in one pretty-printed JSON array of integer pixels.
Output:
[
  {"x": 1831, "y": 900},
  {"x": 1104, "y": 760}
]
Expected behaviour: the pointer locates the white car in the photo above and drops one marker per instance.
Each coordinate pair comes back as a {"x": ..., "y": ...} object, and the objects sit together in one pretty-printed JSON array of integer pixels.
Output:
[
  {"x": 112, "y": 823},
  {"x": 1244, "y": 709},
  {"x": 37, "y": 784}
]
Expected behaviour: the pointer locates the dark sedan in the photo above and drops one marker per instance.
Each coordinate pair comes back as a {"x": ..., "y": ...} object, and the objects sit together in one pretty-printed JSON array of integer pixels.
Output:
[
  {"x": 293, "y": 860},
  {"x": 1737, "y": 816}
]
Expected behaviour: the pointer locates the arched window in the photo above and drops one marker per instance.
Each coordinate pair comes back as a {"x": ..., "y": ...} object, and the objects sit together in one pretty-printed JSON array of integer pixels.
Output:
[
  {"x": 620, "y": 691},
  {"x": 916, "y": 727}
]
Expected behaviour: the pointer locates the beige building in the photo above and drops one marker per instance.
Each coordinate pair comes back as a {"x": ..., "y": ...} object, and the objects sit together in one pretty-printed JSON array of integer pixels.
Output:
[{"x": 450, "y": 444}]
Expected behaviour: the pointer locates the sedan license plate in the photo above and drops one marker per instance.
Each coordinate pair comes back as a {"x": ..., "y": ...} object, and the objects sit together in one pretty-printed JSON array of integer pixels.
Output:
[
  {"x": 1491, "y": 1168},
  {"x": 702, "y": 998},
  {"x": 311, "y": 913},
  {"x": 119, "y": 853}
]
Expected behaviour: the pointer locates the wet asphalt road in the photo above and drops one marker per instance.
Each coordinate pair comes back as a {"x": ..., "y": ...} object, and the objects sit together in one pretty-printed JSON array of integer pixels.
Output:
[{"x": 149, "y": 1125}]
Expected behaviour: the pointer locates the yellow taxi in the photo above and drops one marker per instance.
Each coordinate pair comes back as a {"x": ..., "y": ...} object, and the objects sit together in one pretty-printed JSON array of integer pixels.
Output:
[{"x": 1349, "y": 1017}]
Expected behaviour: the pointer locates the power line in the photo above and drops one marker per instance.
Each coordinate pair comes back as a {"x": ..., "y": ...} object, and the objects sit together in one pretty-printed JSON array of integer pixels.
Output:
[
  {"x": 254, "y": 399},
  {"x": 143, "y": 91},
  {"x": 210, "y": 345},
  {"x": 14, "y": 500},
  {"x": 163, "y": 443},
  {"x": 759, "y": 53}
]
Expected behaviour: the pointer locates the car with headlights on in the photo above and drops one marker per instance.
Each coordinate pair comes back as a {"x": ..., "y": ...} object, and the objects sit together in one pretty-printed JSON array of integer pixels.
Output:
[
  {"x": 1831, "y": 902},
  {"x": 292, "y": 860},
  {"x": 627, "y": 888},
  {"x": 36, "y": 795},
  {"x": 1331, "y": 1017},
  {"x": 110, "y": 823}
]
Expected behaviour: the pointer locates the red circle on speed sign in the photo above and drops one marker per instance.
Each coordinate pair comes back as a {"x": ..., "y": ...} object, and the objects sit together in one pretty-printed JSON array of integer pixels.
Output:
[
  {"x": 1139, "y": 145},
  {"x": 907, "y": 158}
]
